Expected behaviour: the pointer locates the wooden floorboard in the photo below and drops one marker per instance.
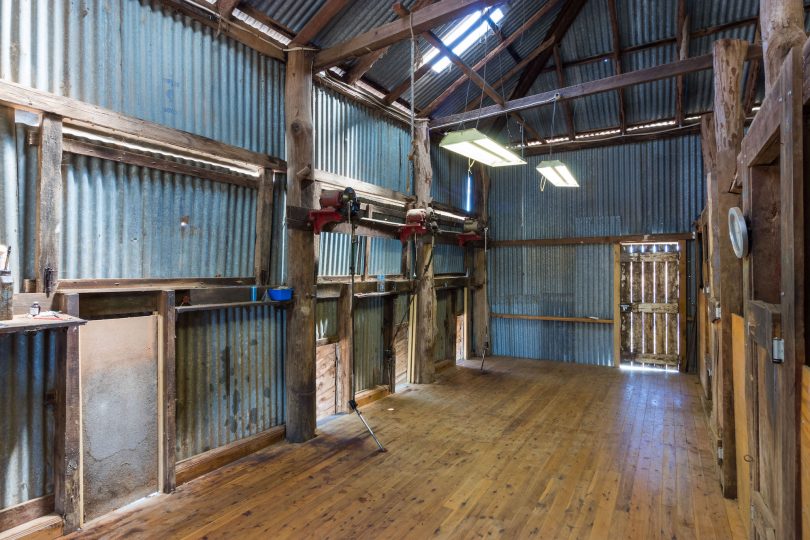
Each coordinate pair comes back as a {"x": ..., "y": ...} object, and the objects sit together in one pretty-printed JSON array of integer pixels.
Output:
[{"x": 528, "y": 449}]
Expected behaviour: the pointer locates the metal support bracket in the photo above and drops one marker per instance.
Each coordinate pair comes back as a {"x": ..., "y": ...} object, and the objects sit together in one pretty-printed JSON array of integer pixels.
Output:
[{"x": 778, "y": 351}]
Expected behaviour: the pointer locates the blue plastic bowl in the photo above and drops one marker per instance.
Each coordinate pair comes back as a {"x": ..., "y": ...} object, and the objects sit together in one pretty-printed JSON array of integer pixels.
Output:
[{"x": 281, "y": 294}]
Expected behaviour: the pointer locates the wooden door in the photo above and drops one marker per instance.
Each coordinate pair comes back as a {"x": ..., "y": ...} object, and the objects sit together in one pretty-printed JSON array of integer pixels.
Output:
[
  {"x": 650, "y": 304},
  {"x": 770, "y": 166}
]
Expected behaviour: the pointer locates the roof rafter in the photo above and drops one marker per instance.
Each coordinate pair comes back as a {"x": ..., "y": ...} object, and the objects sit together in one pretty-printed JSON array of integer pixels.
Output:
[
  {"x": 531, "y": 21},
  {"x": 425, "y": 68},
  {"x": 617, "y": 60},
  {"x": 682, "y": 40},
  {"x": 607, "y": 84},
  {"x": 226, "y": 7},
  {"x": 555, "y": 35},
  {"x": 388, "y": 34},
  {"x": 569, "y": 114},
  {"x": 365, "y": 62},
  {"x": 315, "y": 24}
]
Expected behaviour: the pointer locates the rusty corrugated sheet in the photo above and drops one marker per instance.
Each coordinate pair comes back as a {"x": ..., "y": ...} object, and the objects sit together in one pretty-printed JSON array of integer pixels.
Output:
[
  {"x": 132, "y": 57},
  {"x": 230, "y": 375},
  {"x": 326, "y": 322},
  {"x": 123, "y": 221},
  {"x": 27, "y": 399},
  {"x": 368, "y": 343}
]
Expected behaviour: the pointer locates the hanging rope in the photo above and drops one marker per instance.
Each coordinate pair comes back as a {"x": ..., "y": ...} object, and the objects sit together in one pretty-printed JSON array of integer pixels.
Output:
[{"x": 543, "y": 179}]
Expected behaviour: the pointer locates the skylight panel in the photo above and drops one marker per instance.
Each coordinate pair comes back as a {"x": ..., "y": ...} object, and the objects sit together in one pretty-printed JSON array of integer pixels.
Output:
[{"x": 465, "y": 25}]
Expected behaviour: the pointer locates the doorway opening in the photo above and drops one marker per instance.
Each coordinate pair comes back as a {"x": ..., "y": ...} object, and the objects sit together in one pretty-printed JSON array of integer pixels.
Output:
[{"x": 651, "y": 305}]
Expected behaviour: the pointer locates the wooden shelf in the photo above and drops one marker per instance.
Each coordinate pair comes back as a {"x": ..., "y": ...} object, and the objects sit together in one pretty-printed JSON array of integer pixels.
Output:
[
  {"x": 207, "y": 307},
  {"x": 25, "y": 323},
  {"x": 383, "y": 293}
]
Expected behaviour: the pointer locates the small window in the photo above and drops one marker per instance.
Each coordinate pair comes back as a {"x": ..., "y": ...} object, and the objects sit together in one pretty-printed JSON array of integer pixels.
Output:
[{"x": 460, "y": 30}]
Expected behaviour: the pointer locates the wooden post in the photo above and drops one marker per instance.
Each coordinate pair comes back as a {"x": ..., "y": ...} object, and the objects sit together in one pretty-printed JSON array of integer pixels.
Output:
[
  {"x": 782, "y": 28},
  {"x": 264, "y": 228},
  {"x": 168, "y": 394},
  {"x": 49, "y": 201},
  {"x": 682, "y": 294},
  {"x": 480, "y": 299},
  {"x": 300, "y": 368},
  {"x": 617, "y": 312},
  {"x": 423, "y": 368},
  {"x": 67, "y": 477},
  {"x": 729, "y": 59}
]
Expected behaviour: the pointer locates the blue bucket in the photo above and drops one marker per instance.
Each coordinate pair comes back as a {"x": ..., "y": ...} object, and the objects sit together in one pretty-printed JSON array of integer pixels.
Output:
[{"x": 281, "y": 294}]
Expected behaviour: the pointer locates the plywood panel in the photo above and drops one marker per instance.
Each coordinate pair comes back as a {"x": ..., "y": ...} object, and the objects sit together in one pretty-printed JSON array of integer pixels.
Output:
[
  {"x": 325, "y": 357},
  {"x": 805, "y": 450},
  {"x": 740, "y": 418},
  {"x": 119, "y": 359}
]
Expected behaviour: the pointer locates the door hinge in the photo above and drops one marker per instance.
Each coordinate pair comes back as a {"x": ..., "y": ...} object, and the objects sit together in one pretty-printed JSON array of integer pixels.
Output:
[
  {"x": 778, "y": 350},
  {"x": 718, "y": 312},
  {"x": 719, "y": 452}
]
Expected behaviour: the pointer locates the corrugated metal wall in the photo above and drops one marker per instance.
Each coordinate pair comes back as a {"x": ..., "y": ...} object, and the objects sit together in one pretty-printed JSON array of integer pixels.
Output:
[
  {"x": 646, "y": 188},
  {"x": 651, "y": 187},
  {"x": 448, "y": 259},
  {"x": 27, "y": 391},
  {"x": 230, "y": 375},
  {"x": 334, "y": 257},
  {"x": 449, "y": 177},
  {"x": 368, "y": 343},
  {"x": 354, "y": 141},
  {"x": 132, "y": 57},
  {"x": 386, "y": 256},
  {"x": 123, "y": 221},
  {"x": 18, "y": 176}
]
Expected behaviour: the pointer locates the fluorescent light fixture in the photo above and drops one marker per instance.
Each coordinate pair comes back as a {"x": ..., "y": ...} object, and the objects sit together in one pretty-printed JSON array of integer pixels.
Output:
[
  {"x": 557, "y": 173},
  {"x": 475, "y": 145}
]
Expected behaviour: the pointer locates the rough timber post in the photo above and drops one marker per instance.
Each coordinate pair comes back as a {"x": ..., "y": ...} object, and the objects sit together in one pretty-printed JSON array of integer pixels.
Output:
[
  {"x": 729, "y": 59},
  {"x": 423, "y": 369},
  {"x": 300, "y": 368},
  {"x": 782, "y": 28},
  {"x": 480, "y": 300}
]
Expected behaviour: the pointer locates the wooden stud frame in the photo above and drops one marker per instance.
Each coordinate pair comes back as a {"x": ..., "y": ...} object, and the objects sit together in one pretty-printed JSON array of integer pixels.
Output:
[{"x": 776, "y": 134}]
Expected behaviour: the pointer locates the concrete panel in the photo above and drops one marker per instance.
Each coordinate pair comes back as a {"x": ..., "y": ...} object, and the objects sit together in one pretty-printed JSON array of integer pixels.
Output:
[{"x": 119, "y": 360}]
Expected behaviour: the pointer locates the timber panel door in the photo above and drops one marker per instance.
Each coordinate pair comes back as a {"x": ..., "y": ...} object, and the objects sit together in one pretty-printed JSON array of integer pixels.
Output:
[
  {"x": 773, "y": 278},
  {"x": 650, "y": 304}
]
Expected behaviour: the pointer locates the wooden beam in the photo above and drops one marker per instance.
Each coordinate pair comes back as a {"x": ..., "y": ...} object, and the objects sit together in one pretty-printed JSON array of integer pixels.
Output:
[
  {"x": 95, "y": 118},
  {"x": 388, "y": 34},
  {"x": 587, "y": 320},
  {"x": 530, "y": 22},
  {"x": 225, "y": 8},
  {"x": 49, "y": 226},
  {"x": 559, "y": 28},
  {"x": 300, "y": 368},
  {"x": 237, "y": 30},
  {"x": 583, "y": 240},
  {"x": 364, "y": 63},
  {"x": 262, "y": 253},
  {"x": 201, "y": 464},
  {"x": 168, "y": 391},
  {"x": 566, "y": 106},
  {"x": 16, "y": 515},
  {"x": 121, "y": 155},
  {"x": 664, "y": 71},
  {"x": 423, "y": 369},
  {"x": 782, "y": 28},
  {"x": 617, "y": 60},
  {"x": 729, "y": 59},
  {"x": 328, "y": 11},
  {"x": 67, "y": 469},
  {"x": 425, "y": 68}
]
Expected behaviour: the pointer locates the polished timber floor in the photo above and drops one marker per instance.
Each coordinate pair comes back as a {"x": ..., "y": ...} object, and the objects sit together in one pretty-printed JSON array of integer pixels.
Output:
[{"x": 528, "y": 449}]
